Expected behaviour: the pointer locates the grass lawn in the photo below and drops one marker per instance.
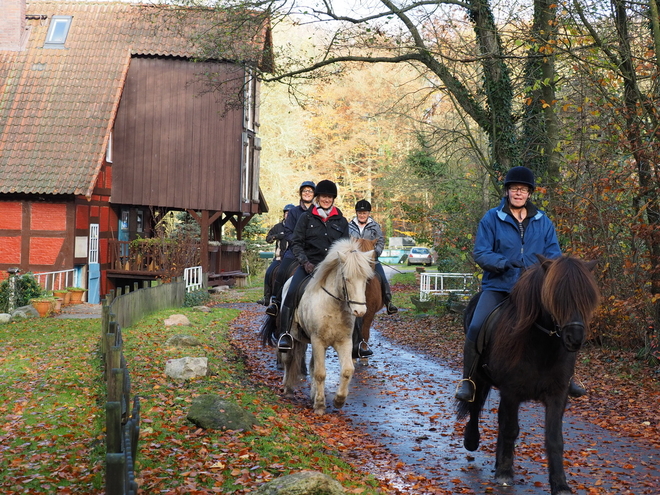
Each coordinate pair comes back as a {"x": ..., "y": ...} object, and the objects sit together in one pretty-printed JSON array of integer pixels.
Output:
[
  {"x": 52, "y": 413},
  {"x": 51, "y": 407}
]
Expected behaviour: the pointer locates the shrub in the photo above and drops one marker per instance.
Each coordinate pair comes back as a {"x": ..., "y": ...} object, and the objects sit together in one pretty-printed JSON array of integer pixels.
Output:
[
  {"x": 27, "y": 288},
  {"x": 196, "y": 298}
]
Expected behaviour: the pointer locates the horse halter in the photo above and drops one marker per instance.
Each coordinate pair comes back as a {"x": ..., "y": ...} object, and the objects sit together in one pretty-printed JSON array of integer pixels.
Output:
[
  {"x": 344, "y": 290},
  {"x": 556, "y": 331}
]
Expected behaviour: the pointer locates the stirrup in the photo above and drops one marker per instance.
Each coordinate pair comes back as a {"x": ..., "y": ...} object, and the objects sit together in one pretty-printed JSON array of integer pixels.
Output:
[
  {"x": 474, "y": 389},
  {"x": 366, "y": 352},
  {"x": 283, "y": 347},
  {"x": 391, "y": 309},
  {"x": 272, "y": 309}
]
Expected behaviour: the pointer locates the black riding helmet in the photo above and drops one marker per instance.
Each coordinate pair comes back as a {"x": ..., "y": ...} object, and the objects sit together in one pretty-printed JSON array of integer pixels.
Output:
[
  {"x": 327, "y": 188},
  {"x": 363, "y": 205},
  {"x": 520, "y": 175},
  {"x": 288, "y": 207}
]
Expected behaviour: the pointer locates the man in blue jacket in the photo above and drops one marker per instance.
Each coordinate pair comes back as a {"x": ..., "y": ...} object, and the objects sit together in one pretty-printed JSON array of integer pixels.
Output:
[{"x": 508, "y": 239}]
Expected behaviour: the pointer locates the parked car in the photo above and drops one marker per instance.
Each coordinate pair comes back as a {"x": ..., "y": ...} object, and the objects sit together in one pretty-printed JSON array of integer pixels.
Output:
[{"x": 420, "y": 256}]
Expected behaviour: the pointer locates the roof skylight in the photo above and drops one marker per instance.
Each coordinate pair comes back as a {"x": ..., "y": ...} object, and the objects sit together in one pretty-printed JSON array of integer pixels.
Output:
[{"x": 58, "y": 31}]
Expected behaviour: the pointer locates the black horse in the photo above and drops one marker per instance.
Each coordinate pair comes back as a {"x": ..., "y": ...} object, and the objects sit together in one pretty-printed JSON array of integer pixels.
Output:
[{"x": 529, "y": 353}]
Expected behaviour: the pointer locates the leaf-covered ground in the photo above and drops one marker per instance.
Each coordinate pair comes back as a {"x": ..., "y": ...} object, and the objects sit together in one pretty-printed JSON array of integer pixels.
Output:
[{"x": 623, "y": 391}]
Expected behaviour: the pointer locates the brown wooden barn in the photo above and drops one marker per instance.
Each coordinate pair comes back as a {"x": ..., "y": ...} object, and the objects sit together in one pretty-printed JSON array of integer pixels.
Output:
[{"x": 107, "y": 124}]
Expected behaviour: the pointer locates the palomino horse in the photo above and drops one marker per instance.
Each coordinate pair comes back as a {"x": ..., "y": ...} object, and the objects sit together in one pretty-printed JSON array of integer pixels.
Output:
[
  {"x": 325, "y": 316},
  {"x": 375, "y": 303},
  {"x": 531, "y": 346}
]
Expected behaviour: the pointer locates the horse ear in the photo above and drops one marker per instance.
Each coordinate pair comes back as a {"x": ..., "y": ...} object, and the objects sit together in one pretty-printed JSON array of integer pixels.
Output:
[
  {"x": 591, "y": 265},
  {"x": 543, "y": 261},
  {"x": 342, "y": 256},
  {"x": 372, "y": 256}
]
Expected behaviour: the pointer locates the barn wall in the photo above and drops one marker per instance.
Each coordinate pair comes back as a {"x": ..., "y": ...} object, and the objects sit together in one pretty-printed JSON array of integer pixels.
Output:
[{"x": 175, "y": 145}]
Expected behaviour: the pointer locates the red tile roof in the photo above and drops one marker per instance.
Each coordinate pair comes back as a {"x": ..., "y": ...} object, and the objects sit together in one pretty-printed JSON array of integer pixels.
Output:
[{"x": 57, "y": 106}]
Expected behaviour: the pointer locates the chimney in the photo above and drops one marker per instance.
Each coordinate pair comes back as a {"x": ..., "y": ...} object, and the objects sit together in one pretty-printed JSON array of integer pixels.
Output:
[{"x": 12, "y": 24}]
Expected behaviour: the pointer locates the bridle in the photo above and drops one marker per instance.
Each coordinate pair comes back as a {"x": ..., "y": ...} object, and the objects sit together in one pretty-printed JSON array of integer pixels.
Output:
[
  {"x": 344, "y": 291},
  {"x": 556, "y": 331}
]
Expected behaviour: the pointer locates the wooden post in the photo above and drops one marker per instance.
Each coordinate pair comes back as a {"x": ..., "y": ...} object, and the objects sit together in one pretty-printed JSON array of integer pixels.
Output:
[
  {"x": 115, "y": 474},
  {"x": 113, "y": 427}
]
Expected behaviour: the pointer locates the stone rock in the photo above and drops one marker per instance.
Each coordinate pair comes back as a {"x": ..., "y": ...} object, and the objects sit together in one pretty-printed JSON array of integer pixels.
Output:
[
  {"x": 24, "y": 312},
  {"x": 203, "y": 309},
  {"x": 302, "y": 483},
  {"x": 177, "y": 320},
  {"x": 5, "y": 318},
  {"x": 212, "y": 412},
  {"x": 182, "y": 341},
  {"x": 186, "y": 368}
]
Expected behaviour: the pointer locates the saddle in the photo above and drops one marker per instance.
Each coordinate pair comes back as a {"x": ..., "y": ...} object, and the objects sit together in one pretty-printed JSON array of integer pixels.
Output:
[
  {"x": 486, "y": 330},
  {"x": 296, "y": 300}
]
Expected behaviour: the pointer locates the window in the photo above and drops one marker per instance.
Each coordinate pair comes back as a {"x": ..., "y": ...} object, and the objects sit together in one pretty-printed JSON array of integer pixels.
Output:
[
  {"x": 58, "y": 31},
  {"x": 108, "y": 150}
]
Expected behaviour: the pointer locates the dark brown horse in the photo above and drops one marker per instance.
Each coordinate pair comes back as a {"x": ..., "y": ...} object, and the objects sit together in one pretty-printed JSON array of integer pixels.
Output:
[
  {"x": 374, "y": 297},
  {"x": 530, "y": 355}
]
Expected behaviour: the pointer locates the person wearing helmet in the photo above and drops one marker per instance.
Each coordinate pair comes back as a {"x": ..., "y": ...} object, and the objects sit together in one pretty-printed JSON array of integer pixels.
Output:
[
  {"x": 317, "y": 229},
  {"x": 306, "y": 194},
  {"x": 277, "y": 235},
  {"x": 508, "y": 239},
  {"x": 365, "y": 227}
]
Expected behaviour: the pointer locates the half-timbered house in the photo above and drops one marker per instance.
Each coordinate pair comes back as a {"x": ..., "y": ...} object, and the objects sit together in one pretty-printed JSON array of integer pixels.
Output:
[{"x": 107, "y": 122}]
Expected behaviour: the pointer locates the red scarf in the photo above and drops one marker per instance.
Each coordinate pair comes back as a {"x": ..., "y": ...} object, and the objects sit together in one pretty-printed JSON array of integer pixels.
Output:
[{"x": 333, "y": 211}]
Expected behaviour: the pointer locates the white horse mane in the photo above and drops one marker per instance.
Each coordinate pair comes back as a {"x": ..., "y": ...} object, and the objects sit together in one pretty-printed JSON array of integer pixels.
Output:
[{"x": 347, "y": 251}]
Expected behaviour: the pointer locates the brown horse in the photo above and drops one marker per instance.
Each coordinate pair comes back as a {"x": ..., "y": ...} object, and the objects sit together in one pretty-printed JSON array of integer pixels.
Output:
[
  {"x": 374, "y": 295},
  {"x": 530, "y": 355}
]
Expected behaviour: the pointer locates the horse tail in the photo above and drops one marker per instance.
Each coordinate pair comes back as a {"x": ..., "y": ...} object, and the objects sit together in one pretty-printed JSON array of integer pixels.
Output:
[
  {"x": 462, "y": 409},
  {"x": 268, "y": 331}
]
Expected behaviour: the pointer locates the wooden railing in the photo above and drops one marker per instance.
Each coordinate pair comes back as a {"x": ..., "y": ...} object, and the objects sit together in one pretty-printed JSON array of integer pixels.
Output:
[
  {"x": 122, "y": 424},
  {"x": 151, "y": 255}
]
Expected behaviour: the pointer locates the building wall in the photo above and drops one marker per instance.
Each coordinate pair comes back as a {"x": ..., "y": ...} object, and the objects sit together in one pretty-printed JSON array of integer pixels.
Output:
[{"x": 36, "y": 235}]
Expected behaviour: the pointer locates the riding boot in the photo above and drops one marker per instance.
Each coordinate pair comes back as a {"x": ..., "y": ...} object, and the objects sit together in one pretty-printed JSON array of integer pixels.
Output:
[
  {"x": 575, "y": 390},
  {"x": 285, "y": 341},
  {"x": 267, "y": 297},
  {"x": 465, "y": 389},
  {"x": 390, "y": 308},
  {"x": 273, "y": 308}
]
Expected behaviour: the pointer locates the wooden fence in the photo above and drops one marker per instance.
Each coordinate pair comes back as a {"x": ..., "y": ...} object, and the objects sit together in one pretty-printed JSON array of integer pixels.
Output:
[{"x": 120, "y": 310}]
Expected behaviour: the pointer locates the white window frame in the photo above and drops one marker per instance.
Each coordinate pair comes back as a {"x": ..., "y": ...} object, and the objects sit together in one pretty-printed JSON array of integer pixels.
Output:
[
  {"x": 93, "y": 243},
  {"x": 55, "y": 22}
]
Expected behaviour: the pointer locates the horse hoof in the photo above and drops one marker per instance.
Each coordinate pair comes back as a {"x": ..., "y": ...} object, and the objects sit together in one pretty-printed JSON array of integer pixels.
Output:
[
  {"x": 339, "y": 403},
  {"x": 504, "y": 480},
  {"x": 471, "y": 441},
  {"x": 319, "y": 411}
]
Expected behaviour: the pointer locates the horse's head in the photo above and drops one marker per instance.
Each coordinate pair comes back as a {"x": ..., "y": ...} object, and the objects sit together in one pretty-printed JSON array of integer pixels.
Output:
[
  {"x": 571, "y": 296},
  {"x": 350, "y": 269}
]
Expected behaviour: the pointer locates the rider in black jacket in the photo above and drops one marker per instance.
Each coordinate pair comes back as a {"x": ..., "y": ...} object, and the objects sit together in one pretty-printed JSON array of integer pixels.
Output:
[{"x": 317, "y": 229}]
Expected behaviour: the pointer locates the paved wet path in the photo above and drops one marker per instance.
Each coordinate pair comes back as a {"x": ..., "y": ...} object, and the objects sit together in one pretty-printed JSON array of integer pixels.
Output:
[{"x": 404, "y": 400}]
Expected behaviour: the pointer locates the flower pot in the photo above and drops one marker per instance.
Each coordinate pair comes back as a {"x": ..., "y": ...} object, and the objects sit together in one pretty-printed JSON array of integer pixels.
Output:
[
  {"x": 76, "y": 296},
  {"x": 58, "y": 304},
  {"x": 43, "y": 307},
  {"x": 61, "y": 294}
]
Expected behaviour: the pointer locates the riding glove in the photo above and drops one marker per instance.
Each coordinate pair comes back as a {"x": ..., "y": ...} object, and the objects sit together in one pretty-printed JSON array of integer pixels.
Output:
[
  {"x": 513, "y": 264},
  {"x": 309, "y": 266}
]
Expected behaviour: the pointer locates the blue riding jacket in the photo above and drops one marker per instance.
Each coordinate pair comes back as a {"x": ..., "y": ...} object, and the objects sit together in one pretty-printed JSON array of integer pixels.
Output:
[{"x": 499, "y": 240}]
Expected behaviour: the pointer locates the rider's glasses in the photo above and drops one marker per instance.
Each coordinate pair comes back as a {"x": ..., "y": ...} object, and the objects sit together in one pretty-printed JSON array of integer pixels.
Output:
[{"x": 524, "y": 190}]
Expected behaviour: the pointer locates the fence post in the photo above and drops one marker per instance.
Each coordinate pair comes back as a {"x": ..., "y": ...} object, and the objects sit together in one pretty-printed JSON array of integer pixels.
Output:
[{"x": 115, "y": 474}]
